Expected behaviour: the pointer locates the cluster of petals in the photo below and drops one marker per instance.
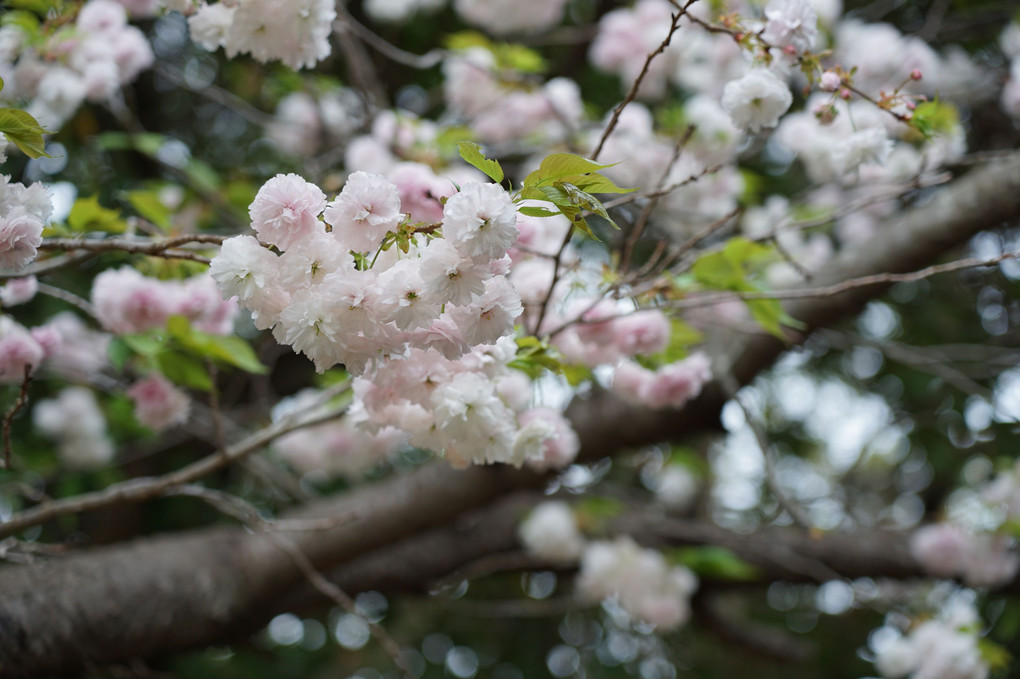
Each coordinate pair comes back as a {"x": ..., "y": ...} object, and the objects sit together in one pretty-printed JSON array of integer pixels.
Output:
[
  {"x": 127, "y": 301},
  {"x": 66, "y": 346},
  {"x": 503, "y": 17},
  {"x": 448, "y": 293},
  {"x": 399, "y": 11},
  {"x": 640, "y": 580},
  {"x": 473, "y": 408},
  {"x": 74, "y": 420},
  {"x": 945, "y": 647},
  {"x": 1009, "y": 40},
  {"x": 427, "y": 332},
  {"x": 158, "y": 403},
  {"x": 757, "y": 99},
  {"x": 303, "y": 123},
  {"x": 23, "y": 214},
  {"x": 550, "y": 532},
  {"x": 500, "y": 112},
  {"x": 675, "y": 486},
  {"x": 294, "y": 32},
  {"x": 791, "y": 24},
  {"x": 20, "y": 350},
  {"x": 670, "y": 386},
  {"x": 339, "y": 447},
  {"x": 19, "y": 291},
  {"x": 946, "y": 550},
  {"x": 92, "y": 61}
]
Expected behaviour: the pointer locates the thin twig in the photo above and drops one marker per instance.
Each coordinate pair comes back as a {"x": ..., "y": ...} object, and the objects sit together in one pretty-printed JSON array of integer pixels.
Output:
[
  {"x": 68, "y": 297},
  {"x": 11, "y": 413},
  {"x": 847, "y": 285},
  {"x": 646, "y": 211},
  {"x": 49, "y": 265},
  {"x": 137, "y": 490},
  {"x": 391, "y": 51},
  {"x": 131, "y": 245},
  {"x": 731, "y": 387},
  {"x": 674, "y": 25}
]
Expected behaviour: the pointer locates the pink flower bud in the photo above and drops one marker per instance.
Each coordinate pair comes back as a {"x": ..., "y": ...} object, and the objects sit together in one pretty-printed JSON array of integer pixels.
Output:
[
  {"x": 830, "y": 81},
  {"x": 915, "y": 74}
]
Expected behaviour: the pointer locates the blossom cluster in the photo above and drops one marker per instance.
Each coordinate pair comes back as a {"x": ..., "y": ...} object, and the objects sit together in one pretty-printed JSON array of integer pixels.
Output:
[
  {"x": 946, "y": 550},
  {"x": 501, "y": 111},
  {"x": 89, "y": 61},
  {"x": 336, "y": 447},
  {"x": 68, "y": 347},
  {"x": 303, "y": 124},
  {"x": 427, "y": 332},
  {"x": 941, "y": 647},
  {"x": 76, "y": 422},
  {"x": 1010, "y": 43},
  {"x": 550, "y": 532},
  {"x": 158, "y": 403},
  {"x": 502, "y": 17},
  {"x": 126, "y": 302},
  {"x": 24, "y": 211},
  {"x": 978, "y": 556},
  {"x": 295, "y": 32},
  {"x": 639, "y": 580}
]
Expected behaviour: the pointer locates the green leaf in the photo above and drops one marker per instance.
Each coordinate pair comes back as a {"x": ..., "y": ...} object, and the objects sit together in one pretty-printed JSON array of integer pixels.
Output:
[
  {"x": 594, "y": 512},
  {"x": 558, "y": 165},
  {"x": 681, "y": 337},
  {"x": 996, "y": 656},
  {"x": 472, "y": 153},
  {"x": 519, "y": 58},
  {"x": 144, "y": 345},
  {"x": 587, "y": 201},
  {"x": 40, "y": 7},
  {"x": 88, "y": 215},
  {"x": 184, "y": 370},
  {"x": 26, "y": 21},
  {"x": 463, "y": 40},
  {"x": 576, "y": 373},
  {"x": 223, "y": 349},
  {"x": 533, "y": 211},
  {"x": 23, "y": 131},
  {"x": 149, "y": 206},
  {"x": 595, "y": 183},
  {"x": 729, "y": 268},
  {"x": 119, "y": 352},
  {"x": 935, "y": 117},
  {"x": 714, "y": 562}
]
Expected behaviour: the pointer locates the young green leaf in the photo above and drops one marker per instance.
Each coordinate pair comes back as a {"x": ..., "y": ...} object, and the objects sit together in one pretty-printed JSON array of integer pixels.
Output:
[
  {"x": 472, "y": 154},
  {"x": 559, "y": 165},
  {"x": 24, "y": 131},
  {"x": 88, "y": 215}
]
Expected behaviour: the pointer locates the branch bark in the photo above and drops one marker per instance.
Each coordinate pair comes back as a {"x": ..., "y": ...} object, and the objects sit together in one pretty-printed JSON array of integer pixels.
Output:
[{"x": 184, "y": 590}]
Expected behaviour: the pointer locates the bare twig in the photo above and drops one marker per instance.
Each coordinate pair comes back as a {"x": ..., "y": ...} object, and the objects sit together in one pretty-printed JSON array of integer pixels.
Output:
[
  {"x": 12, "y": 412},
  {"x": 646, "y": 211},
  {"x": 391, "y": 51},
  {"x": 847, "y": 285},
  {"x": 137, "y": 490},
  {"x": 731, "y": 387},
  {"x": 132, "y": 245},
  {"x": 673, "y": 26},
  {"x": 68, "y": 297},
  {"x": 49, "y": 265}
]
